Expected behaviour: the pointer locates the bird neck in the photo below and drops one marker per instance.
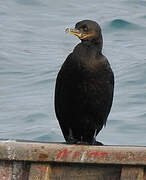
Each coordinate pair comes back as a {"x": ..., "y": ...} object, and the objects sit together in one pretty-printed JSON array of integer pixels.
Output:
[
  {"x": 86, "y": 51},
  {"x": 89, "y": 49},
  {"x": 95, "y": 43}
]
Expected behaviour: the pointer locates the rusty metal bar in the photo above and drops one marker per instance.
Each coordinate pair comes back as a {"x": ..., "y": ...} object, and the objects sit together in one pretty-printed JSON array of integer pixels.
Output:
[
  {"x": 40, "y": 171},
  {"x": 20, "y": 170},
  {"x": 132, "y": 173},
  {"x": 5, "y": 170},
  {"x": 50, "y": 161},
  {"x": 50, "y": 152}
]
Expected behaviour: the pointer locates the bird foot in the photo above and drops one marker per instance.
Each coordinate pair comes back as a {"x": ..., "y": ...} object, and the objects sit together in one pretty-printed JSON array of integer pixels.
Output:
[
  {"x": 97, "y": 143},
  {"x": 82, "y": 143},
  {"x": 71, "y": 139}
]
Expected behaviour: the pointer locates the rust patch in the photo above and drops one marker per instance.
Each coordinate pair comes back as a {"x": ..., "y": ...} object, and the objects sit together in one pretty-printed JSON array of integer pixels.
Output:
[
  {"x": 134, "y": 173},
  {"x": 5, "y": 170},
  {"x": 35, "y": 150},
  {"x": 57, "y": 170},
  {"x": 4, "y": 174},
  {"x": 43, "y": 156}
]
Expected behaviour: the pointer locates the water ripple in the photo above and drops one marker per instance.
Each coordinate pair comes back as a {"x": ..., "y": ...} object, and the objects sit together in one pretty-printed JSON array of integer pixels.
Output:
[{"x": 121, "y": 24}]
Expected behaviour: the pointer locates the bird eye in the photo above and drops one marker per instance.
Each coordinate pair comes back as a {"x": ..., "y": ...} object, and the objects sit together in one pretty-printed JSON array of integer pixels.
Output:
[{"x": 85, "y": 28}]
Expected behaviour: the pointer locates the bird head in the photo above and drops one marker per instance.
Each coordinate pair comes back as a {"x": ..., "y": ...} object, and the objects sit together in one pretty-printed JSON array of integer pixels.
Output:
[{"x": 86, "y": 30}]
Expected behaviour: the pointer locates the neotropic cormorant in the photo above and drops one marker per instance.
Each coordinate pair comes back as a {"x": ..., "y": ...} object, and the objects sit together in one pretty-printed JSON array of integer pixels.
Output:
[{"x": 84, "y": 87}]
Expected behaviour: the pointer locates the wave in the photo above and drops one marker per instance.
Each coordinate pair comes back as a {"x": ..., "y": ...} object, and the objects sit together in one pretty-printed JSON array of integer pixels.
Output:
[{"x": 120, "y": 24}]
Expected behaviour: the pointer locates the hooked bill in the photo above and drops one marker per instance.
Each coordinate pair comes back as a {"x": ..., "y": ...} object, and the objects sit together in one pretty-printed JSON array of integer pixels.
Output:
[{"x": 67, "y": 30}]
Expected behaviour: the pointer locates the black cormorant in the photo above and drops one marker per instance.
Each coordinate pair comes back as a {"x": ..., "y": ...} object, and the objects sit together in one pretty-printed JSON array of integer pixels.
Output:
[{"x": 84, "y": 87}]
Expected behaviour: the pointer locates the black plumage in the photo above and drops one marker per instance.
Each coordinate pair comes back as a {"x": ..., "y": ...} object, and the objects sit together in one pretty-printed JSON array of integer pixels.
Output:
[{"x": 84, "y": 87}]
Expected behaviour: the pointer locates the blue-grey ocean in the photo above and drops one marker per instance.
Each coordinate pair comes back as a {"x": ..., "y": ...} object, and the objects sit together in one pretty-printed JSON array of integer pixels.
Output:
[{"x": 33, "y": 47}]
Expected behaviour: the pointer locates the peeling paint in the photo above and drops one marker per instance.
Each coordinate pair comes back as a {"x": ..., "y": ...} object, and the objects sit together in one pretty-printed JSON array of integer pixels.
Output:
[
  {"x": 83, "y": 157},
  {"x": 63, "y": 154},
  {"x": 11, "y": 152},
  {"x": 46, "y": 161},
  {"x": 92, "y": 155},
  {"x": 76, "y": 155},
  {"x": 96, "y": 154}
]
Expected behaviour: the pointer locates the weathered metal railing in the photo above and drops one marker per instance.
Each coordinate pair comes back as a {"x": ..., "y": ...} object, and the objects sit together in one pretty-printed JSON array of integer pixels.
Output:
[{"x": 50, "y": 161}]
